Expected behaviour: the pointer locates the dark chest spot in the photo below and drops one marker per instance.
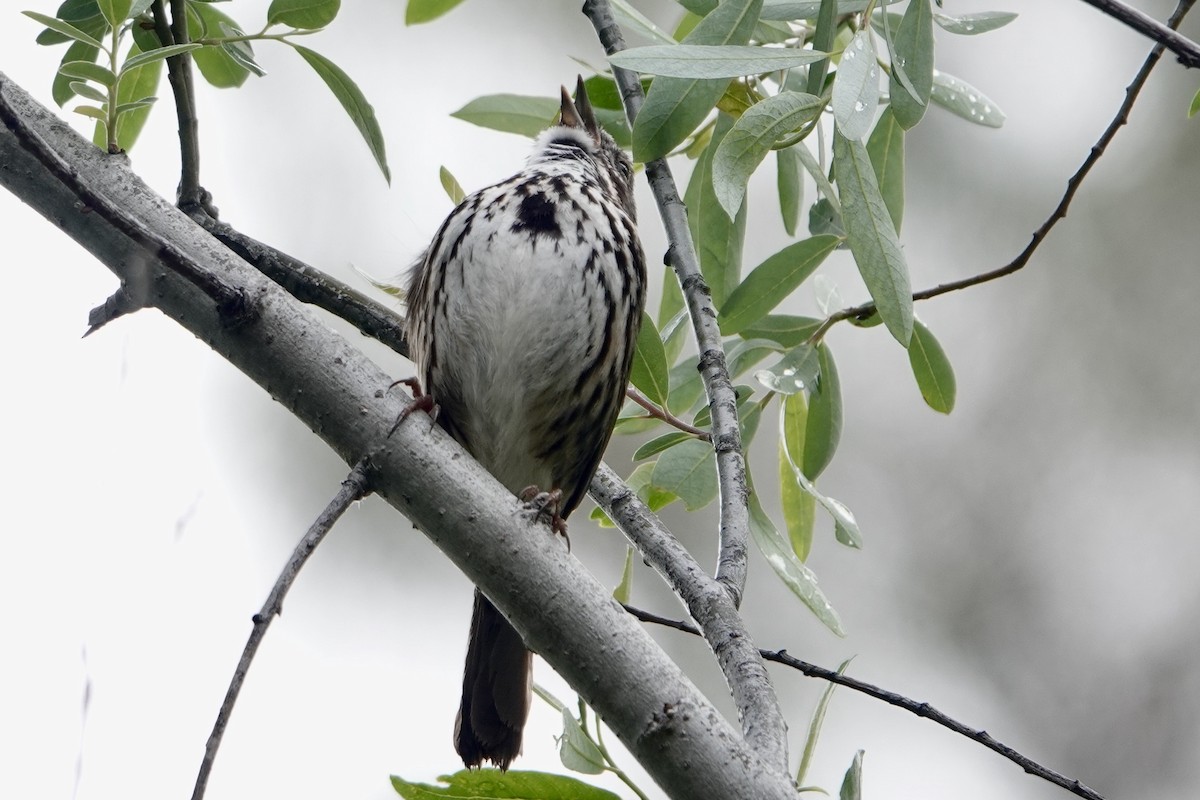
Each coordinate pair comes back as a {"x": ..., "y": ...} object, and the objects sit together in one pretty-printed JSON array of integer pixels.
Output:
[{"x": 536, "y": 215}]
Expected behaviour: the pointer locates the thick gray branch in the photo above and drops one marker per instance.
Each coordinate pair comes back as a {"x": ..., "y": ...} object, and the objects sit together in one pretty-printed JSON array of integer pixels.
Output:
[
  {"x": 722, "y": 402},
  {"x": 562, "y": 612},
  {"x": 710, "y": 605}
]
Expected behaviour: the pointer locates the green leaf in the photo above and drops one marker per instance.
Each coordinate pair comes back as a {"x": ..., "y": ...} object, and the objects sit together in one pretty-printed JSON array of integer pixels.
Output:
[
  {"x": 511, "y": 113},
  {"x": 872, "y": 236},
  {"x": 157, "y": 54},
  {"x": 576, "y": 751},
  {"x": 650, "y": 372},
  {"x": 852, "y": 783},
  {"x": 914, "y": 54},
  {"x": 718, "y": 239},
  {"x": 1195, "y": 106},
  {"x": 217, "y": 64},
  {"x": 971, "y": 24},
  {"x": 772, "y": 281},
  {"x": 688, "y": 471},
  {"x": 61, "y": 90},
  {"x": 355, "y": 104},
  {"x": 711, "y": 61},
  {"x": 824, "y": 187},
  {"x": 752, "y": 137},
  {"x": 961, "y": 98},
  {"x": 785, "y": 330},
  {"x": 845, "y": 526},
  {"x": 632, "y": 20},
  {"x": 661, "y": 443},
  {"x": 88, "y": 92},
  {"x": 135, "y": 94},
  {"x": 790, "y": 185},
  {"x": 89, "y": 71},
  {"x": 795, "y": 372},
  {"x": 815, "y": 724},
  {"x": 885, "y": 148},
  {"x": 823, "y": 38},
  {"x": 303, "y": 14},
  {"x": 675, "y": 106},
  {"x": 798, "y": 578},
  {"x": 84, "y": 15},
  {"x": 931, "y": 368},
  {"x": 799, "y": 507},
  {"x": 65, "y": 28},
  {"x": 484, "y": 783},
  {"x": 115, "y": 12},
  {"x": 673, "y": 317},
  {"x": 419, "y": 11},
  {"x": 809, "y": 9},
  {"x": 624, "y": 590},
  {"x": 453, "y": 190},
  {"x": 824, "y": 426},
  {"x": 91, "y": 111},
  {"x": 856, "y": 88}
]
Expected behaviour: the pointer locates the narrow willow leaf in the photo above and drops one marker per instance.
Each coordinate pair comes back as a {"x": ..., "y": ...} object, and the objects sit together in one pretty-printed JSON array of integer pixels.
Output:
[
  {"x": 852, "y": 783},
  {"x": 660, "y": 444},
  {"x": 827, "y": 295},
  {"x": 818, "y": 175},
  {"x": 873, "y": 239},
  {"x": 790, "y": 184},
  {"x": 487, "y": 783},
  {"x": 824, "y": 425},
  {"x": 61, "y": 90},
  {"x": 674, "y": 329},
  {"x": 795, "y": 372},
  {"x": 511, "y": 113},
  {"x": 687, "y": 388},
  {"x": 135, "y": 94},
  {"x": 815, "y": 724},
  {"x": 809, "y": 9},
  {"x": 64, "y": 28},
  {"x": 634, "y": 21},
  {"x": 885, "y": 148},
  {"x": 712, "y": 61},
  {"x": 961, "y": 98},
  {"x": 845, "y": 526},
  {"x": 576, "y": 751},
  {"x": 914, "y": 54},
  {"x": 303, "y": 14},
  {"x": 785, "y": 330},
  {"x": 971, "y": 24},
  {"x": 823, "y": 38},
  {"x": 650, "y": 372},
  {"x": 772, "y": 281},
  {"x": 91, "y": 111},
  {"x": 623, "y": 591},
  {"x": 856, "y": 87},
  {"x": 795, "y": 575},
  {"x": 799, "y": 507},
  {"x": 718, "y": 238},
  {"x": 931, "y": 368},
  {"x": 451, "y": 186},
  {"x": 752, "y": 137},
  {"x": 114, "y": 11},
  {"x": 688, "y": 471},
  {"x": 1194, "y": 108},
  {"x": 89, "y": 71},
  {"x": 216, "y": 64},
  {"x": 745, "y": 354},
  {"x": 675, "y": 106},
  {"x": 83, "y": 15},
  {"x": 353, "y": 101},
  {"x": 88, "y": 92},
  {"x": 419, "y": 11},
  {"x": 158, "y": 54}
]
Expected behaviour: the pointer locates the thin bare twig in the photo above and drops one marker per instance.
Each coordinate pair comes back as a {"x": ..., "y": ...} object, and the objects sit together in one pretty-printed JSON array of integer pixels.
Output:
[
  {"x": 918, "y": 708},
  {"x": 867, "y": 310},
  {"x": 722, "y": 401},
  {"x": 665, "y": 415},
  {"x": 355, "y": 487},
  {"x": 1187, "y": 50}
]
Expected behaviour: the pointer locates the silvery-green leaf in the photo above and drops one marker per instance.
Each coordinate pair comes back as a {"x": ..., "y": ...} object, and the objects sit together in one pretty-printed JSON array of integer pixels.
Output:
[
  {"x": 963, "y": 99},
  {"x": 931, "y": 368},
  {"x": 971, "y": 24},
  {"x": 856, "y": 87},
  {"x": 711, "y": 61},
  {"x": 511, "y": 113},
  {"x": 885, "y": 148},
  {"x": 772, "y": 281},
  {"x": 912, "y": 57},
  {"x": 795, "y": 372},
  {"x": 634, "y": 21}
]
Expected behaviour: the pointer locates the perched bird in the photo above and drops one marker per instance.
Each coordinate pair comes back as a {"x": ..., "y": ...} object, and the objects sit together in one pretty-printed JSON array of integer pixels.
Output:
[{"x": 522, "y": 318}]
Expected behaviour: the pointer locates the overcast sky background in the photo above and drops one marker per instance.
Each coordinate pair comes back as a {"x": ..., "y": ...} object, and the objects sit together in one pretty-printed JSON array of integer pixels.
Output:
[{"x": 1030, "y": 562}]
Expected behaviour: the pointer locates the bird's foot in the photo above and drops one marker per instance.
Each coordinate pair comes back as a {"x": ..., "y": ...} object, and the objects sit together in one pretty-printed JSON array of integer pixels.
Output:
[{"x": 545, "y": 508}]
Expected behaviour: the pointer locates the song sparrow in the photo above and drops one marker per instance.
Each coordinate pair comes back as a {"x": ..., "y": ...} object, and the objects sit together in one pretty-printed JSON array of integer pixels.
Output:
[{"x": 522, "y": 316}]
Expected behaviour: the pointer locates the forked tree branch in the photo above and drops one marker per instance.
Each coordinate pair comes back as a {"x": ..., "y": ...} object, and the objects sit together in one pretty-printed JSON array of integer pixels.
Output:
[
  {"x": 559, "y": 608},
  {"x": 355, "y": 487},
  {"x": 921, "y": 709},
  {"x": 722, "y": 401},
  {"x": 867, "y": 310}
]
